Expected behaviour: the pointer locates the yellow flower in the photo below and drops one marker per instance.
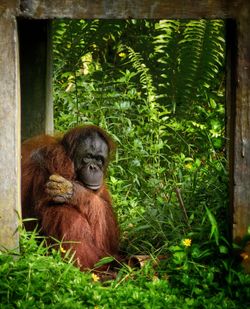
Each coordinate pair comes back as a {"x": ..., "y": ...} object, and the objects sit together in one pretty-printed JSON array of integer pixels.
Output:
[
  {"x": 187, "y": 242},
  {"x": 244, "y": 255},
  {"x": 95, "y": 277},
  {"x": 122, "y": 55},
  {"x": 188, "y": 166},
  {"x": 62, "y": 249}
]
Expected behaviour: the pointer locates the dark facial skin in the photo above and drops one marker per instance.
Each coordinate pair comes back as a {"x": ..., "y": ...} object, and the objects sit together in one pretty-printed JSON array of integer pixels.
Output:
[{"x": 90, "y": 158}]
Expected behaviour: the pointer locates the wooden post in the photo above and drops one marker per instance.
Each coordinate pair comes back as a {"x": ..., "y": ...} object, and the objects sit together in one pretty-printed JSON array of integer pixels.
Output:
[
  {"x": 241, "y": 166},
  {"x": 9, "y": 129}
]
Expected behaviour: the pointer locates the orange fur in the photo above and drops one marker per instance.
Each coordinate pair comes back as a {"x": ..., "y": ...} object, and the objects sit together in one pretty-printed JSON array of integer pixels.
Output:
[{"x": 88, "y": 220}]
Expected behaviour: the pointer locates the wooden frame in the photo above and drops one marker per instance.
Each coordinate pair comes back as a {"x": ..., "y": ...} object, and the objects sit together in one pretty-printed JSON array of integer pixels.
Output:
[{"x": 238, "y": 88}]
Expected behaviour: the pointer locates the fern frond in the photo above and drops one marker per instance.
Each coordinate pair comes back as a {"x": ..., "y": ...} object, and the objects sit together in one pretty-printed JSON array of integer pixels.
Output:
[
  {"x": 190, "y": 54},
  {"x": 146, "y": 78},
  {"x": 166, "y": 52},
  {"x": 201, "y": 57}
]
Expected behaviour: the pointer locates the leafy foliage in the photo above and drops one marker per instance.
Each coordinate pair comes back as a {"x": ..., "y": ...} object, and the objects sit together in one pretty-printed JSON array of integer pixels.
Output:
[
  {"x": 40, "y": 279},
  {"x": 142, "y": 80}
]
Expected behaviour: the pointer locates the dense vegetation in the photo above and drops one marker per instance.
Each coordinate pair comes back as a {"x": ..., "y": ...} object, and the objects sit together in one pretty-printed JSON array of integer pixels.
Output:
[{"x": 158, "y": 88}]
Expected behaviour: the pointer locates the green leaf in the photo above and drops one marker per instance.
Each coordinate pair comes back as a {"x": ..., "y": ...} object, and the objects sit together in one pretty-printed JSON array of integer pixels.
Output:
[
  {"x": 214, "y": 226},
  {"x": 104, "y": 261}
]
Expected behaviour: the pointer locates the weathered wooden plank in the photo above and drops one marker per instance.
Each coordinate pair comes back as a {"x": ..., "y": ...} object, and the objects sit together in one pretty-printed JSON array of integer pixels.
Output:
[
  {"x": 9, "y": 129},
  {"x": 9, "y": 6},
  {"x": 129, "y": 8},
  {"x": 241, "y": 194},
  {"x": 231, "y": 56}
]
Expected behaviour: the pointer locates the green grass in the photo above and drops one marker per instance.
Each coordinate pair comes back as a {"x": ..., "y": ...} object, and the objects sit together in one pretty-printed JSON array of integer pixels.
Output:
[{"x": 36, "y": 279}]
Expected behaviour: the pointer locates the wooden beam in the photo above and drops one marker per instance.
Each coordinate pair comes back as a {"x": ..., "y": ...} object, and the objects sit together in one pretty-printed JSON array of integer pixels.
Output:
[
  {"x": 9, "y": 129},
  {"x": 114, "y": 9}
]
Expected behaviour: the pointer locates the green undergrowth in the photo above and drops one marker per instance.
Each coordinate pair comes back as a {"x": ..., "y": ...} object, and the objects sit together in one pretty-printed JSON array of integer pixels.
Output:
[{"x": 36, "y": 279}]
